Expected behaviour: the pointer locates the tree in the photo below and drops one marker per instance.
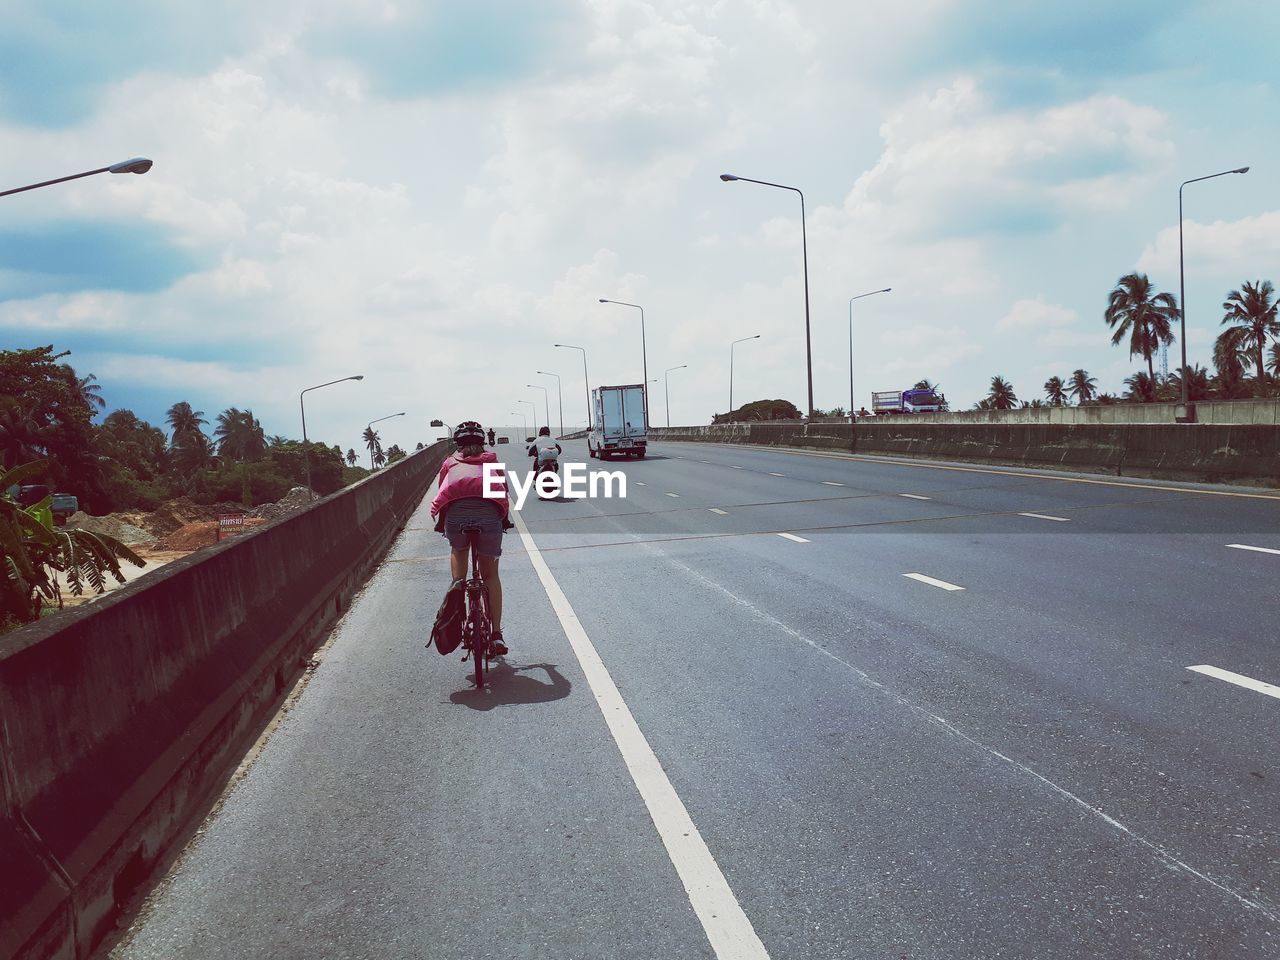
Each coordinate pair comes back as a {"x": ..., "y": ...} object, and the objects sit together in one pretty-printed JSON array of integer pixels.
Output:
[
  {"x": 44, "y": 415},
  {"x": 379, "y": 458},
  {"x": 1146, "y": 318},
  {"x": 1198, "y": 386},
  {"x": 373, "y": 444},
  {"x": 352, "y": 457},
  {"x": 394, "y": 453},
  {"x": 1083, "y": 387},
  {"x": 1273, "y": 363},
  {"x": 759, "y": 410},
  {"x": 182, "y": 420},
  {"x": 1056, "y": 391},
  {"x": 1001, "y": 394},
  {"x": 1250, "y": 318},
  {"x": 240, "y": 436},
  {"x": 90, "y": 392},
  {"x": 1229, "y": 362},
  {"x": 1141, "y": 388}
]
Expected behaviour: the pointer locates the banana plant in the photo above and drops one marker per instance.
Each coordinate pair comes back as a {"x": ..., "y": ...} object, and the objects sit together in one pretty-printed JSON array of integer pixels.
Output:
[{"x": 34, "y": 552}]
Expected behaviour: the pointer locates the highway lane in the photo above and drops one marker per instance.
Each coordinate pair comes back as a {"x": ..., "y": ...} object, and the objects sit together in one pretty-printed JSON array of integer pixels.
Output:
[{"x": 880, "y": 767}]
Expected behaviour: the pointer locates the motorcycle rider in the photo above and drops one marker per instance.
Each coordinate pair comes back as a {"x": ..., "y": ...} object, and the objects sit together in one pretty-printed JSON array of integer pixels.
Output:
[
  {"x": 491, "y": 437},
  {"x": 544, "y": 449}
]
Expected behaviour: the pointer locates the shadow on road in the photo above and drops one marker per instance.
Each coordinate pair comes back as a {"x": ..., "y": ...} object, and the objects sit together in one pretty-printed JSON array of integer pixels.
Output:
[{"x": 506, "y": 683}]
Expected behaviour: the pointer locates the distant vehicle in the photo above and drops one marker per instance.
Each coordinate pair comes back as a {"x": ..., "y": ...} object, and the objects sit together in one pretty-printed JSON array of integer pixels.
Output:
[
  {"x": 617, "y": 422},
  {"x": 504, "y": 440},
  {"x": 888, "y": 402},
  {"x": 63, "y": 506}
]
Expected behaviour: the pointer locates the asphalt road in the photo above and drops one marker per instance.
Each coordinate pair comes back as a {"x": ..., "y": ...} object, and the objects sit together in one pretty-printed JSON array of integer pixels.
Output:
[{"x": 906, "y": 711}]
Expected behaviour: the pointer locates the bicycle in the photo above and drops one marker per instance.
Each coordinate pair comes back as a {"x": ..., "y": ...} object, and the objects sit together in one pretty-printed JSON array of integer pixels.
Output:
[{"x": 477, "y": 628}]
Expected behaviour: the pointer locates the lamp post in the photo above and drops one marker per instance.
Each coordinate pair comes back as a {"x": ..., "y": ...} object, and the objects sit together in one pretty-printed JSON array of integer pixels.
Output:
[
  {"x": 804, "y": 247},
  {"x": 731, "y": 346},
  {"x": 535, "y": 413},
  {"x": 644, "y": 354},
  {"x": 379, "y": 420},
  {"x": 546, "y": 401},
  {"x": 559, "y": 394},
  {"x": 523, "y": 419},
  {"x": 666, "y": 389},
  {"x": 851, "y": 299},
  {"x": 306, "y": 451},
  {"x": 137, "y": 165},
  {"x": 585, "y": 380},
  {"x": 1182, "y": 283}
]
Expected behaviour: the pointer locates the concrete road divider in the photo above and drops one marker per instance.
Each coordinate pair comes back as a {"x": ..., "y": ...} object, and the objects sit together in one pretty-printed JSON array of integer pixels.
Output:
[
  {"x": 121, "y": 720},
  {"x": 1239, "y": 453}
]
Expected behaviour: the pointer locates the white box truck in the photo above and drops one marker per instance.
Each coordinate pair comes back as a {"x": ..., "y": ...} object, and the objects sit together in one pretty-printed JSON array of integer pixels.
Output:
[{"x": 617, "y": 422}]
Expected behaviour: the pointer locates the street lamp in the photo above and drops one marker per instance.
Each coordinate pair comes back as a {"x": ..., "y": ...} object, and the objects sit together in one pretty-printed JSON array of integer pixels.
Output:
[
  {"x": 136, "y": 165},
  {"x": 379, "y": 420},
  {"x": 851, "y": 299},
  {"x": 585, "y": 380},
  {"x": 560, "y": 394},
  {"x": 804, "y": 247},
  {"x": 1182, "y": 283},
  {"x": 535, "y": 413},
  {"x": 523, "y": 419},
  {"x": 731, "y": 346},
  {"x": 306, "y": 451},
  {"x": 546, "y": 401},
  {"x": 644, "y": 354},
  {"x": 666, "y": 390}
]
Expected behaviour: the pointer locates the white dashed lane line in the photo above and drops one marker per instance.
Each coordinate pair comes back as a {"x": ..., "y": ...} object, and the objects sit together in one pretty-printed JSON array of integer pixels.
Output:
[
  {"x": 914, "y": 496},
  {"x": 777, "y": 474},
  {"x": 831, "y": 483},
  {"x": 1245, "y": 546},
  {"x": 723, "y": 513},
  {"x": 1045, "y": 516},
  {"x": 673, "y": 495},
  {"x": 1239, "y": 679},
  {"x": 641, "y": 483},
  {"x": 940, "y": 584},
  {"x": 792, "y": 536},
  {"x": 734, "y": 466}
]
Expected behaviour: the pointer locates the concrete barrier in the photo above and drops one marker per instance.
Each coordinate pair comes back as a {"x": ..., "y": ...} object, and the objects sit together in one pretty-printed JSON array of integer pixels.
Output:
[
  {"x": 1238, "y": 453},
  {"x": 121, "y": 720}
]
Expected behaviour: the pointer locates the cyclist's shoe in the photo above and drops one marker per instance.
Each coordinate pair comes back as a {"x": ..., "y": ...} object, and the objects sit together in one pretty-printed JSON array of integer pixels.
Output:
[{"x": 497, "y": 646}]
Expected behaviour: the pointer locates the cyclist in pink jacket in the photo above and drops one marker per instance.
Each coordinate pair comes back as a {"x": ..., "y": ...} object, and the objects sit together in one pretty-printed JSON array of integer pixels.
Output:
[{"x": 461, "y": 502}]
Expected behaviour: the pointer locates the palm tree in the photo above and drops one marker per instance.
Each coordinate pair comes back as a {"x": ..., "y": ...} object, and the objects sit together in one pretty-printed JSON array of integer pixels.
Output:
[
  {"x": 1001, "y": 394},
  {"x": 1197, "y": 384},
  {"x": 351, "y": 457},
  {"x": 1250, "y": 319},
  {"x": 1056, "y": 391},
  {"x": 240, "y": 435},
  {"x": 182, "y": 419},
  {"x": 373, "y": 444},
  {"x": 1145, "y": 318},
  {"x": 1273, "y": 364},
  {"x": 379, "y": 457},
  {"x": 1141, "y": 388},
  {"x": 90, "y": 392},
  {"x": 1083, "y": 387}
]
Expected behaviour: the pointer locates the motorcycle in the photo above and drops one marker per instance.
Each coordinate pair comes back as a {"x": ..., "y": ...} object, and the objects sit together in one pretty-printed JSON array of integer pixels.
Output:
[{"x": 546, "y": 466}]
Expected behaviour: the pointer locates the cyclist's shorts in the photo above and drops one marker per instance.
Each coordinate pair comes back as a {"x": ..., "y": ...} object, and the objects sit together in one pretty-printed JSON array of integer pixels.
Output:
[{"x": 475, "y": 512}]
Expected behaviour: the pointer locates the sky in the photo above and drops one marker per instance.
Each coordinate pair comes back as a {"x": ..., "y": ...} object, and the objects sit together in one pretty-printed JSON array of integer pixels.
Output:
[{"x": 432, "y": 195}]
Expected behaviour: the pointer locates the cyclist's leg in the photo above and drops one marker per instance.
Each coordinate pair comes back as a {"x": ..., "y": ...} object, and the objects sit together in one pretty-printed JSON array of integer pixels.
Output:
[
  {"x": 489, "y": 570},
  {"x": 458, "y": 564}
]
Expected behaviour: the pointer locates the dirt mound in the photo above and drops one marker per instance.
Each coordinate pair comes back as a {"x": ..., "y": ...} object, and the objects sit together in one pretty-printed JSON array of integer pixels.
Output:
[
  {"x": 193, "y": 536},
  {"x": 113, "y": 525},
  {"x": 294, "y": 500}
]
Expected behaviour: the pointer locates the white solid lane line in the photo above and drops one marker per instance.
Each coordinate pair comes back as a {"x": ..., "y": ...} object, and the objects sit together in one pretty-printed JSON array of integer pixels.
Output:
[
  {"x": 1045, "y": 516},
  {"x": 723, "y": 513},
  {"x": 792, "y": 536},
  {"x": 1239, "y": 679},
  {"x": 777, "y": 474},
  {"x": 914, "y": 496},
  {"x": 941, "y": 584},
  {"x": 727, "y": 927},
  {"x": 1245, "y": 546},
  {"x": 673, "y": 494},
  {"x": 831, "y": 483}
]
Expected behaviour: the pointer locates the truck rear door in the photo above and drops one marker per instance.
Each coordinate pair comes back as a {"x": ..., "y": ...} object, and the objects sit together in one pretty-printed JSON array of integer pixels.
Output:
[
  {"x": 633, "y": 412},
  {"x": 612, "y": 414}
]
